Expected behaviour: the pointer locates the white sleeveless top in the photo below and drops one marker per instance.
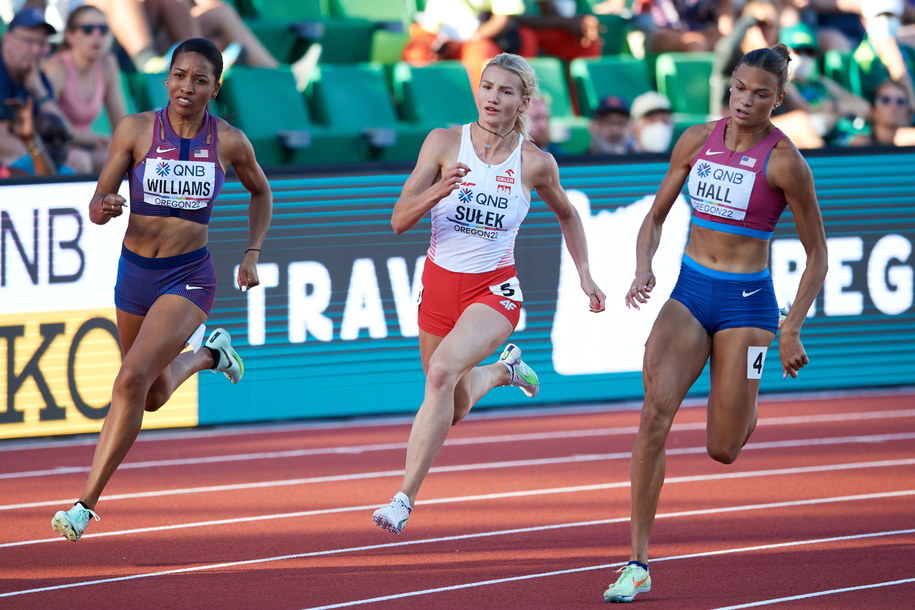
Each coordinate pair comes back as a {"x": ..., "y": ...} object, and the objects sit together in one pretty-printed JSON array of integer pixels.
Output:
[{"x": 474, "y": 228}]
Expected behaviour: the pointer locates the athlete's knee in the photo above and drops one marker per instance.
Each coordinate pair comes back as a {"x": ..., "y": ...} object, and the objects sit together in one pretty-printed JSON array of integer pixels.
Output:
[
  {"x": 131, "y": 384},
  {"x": 441, "y": 376},
  {"x": 724, "y": 452}
]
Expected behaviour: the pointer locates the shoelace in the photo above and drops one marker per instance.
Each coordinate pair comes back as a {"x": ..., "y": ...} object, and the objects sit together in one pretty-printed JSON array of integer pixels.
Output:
[{"x": 90, "y": 511}]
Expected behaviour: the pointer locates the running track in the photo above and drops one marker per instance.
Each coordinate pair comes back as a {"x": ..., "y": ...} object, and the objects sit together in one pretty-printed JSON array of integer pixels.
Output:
[{"x": 524, "y": 509}]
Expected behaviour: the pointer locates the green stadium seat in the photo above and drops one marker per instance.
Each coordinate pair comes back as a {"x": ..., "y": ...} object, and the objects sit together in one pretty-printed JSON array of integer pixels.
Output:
[
  {"x": 284, "y": 134},
  {"x": 437, "y": 95},
  {"x": 149, "y": 92},
  {"x": 357, "y": 98},
  {"x": 568, "y": 129},
  {"x": 684, "y": 78},
  {"x": 614, "y": 31},
  {"x": 596, "y": 78},
  {"x": 392, "y": 19}
]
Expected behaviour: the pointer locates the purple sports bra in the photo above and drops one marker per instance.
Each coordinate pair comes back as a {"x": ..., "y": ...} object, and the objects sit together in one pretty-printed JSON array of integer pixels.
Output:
[
  {"x": 728, "y": 190},
  {"x": 179, "y": 177}
]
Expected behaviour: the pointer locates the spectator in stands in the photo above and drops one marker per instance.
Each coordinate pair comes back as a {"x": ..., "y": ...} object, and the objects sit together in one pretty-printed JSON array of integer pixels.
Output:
[
  {"x": 692, "y": 25},
  {"x": 891, "y": 120},
  {"x": 609, "y": 128},
  {"x": 473, "y": 32},
  {"x": 652, "y": 122},
  {"x": 23, "y": 84},
  {"x": 538, "y": 111},
  {"x": 561, "y": 32},
  {"x": 21, "y": 125},
  {"x": 882, "y": 19},
  {"x": 836, "y": 114},
  {"x": 85, "y": 77},
  {"x": 52, "y": 132}
]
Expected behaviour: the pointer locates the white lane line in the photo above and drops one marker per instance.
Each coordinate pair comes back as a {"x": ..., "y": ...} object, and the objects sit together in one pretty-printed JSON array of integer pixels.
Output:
[
  {"x": 249, "y": 457},
  {"x": 456, "y": 442},
  {"x": 778, "y": 600},
  {"x": 625, "y": 455},
  {"x": 261, "y": 560},
  {"x": 505, "y": 495}
]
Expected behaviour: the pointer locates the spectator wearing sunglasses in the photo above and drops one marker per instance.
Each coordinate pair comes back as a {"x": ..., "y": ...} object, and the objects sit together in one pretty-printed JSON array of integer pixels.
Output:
[
  {"x": 84, "y": 73},
  {"x": 891, "y": 120}
]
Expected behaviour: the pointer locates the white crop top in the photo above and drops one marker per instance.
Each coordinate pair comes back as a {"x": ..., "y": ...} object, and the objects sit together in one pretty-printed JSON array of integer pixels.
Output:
[{"x": 474, "y": 228}]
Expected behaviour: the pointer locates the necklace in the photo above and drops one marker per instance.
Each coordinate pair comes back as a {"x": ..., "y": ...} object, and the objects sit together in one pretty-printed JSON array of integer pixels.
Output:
[
  {"x": 489, "y": 146},
  {"x": 737, "y": 133}
]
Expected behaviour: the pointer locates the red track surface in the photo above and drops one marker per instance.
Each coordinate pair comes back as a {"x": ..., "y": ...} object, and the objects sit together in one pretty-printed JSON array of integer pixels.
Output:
[{"x": 523, "y": 510}]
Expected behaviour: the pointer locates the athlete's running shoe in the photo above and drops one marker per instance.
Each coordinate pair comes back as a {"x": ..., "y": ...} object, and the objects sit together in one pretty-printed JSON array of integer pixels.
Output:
[
  {"x": 393, "y": 517},
  {"x": 522, "y": 375},
  {"x": 72, "y": 523},
  {"x": 634, "y": 579},
  {"x": 229, "y": 363}
]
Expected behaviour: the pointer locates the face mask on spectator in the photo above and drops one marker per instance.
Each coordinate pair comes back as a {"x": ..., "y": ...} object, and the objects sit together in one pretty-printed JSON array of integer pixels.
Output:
[
  {"x": 803, "y": 66},
  {"x": 882, "y": 27},
  {"x": 656, "y": 137}
]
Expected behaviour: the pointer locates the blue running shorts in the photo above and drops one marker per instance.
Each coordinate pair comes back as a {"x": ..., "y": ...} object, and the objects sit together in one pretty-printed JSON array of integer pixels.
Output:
[
  {"x": 721, "y": 300},
  {"x": 142, "y": 280}
]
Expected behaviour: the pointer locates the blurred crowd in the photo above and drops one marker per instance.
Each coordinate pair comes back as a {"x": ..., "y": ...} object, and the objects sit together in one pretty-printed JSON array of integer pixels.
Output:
[{"x": 852, "y": 62}]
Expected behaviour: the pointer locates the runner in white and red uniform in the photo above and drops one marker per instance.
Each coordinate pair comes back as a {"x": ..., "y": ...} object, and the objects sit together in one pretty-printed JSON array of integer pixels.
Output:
[
  {"x": 742, "y": 173},
  {"x": 476, "y": 181}
]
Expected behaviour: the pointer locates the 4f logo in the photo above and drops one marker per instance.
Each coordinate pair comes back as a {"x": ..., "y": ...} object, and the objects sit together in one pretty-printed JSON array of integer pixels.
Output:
[{"x": 508, "y": 305}]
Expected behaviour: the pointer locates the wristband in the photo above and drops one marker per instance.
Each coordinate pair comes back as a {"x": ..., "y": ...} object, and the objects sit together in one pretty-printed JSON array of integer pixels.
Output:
[{"x": 254, "y": 249}]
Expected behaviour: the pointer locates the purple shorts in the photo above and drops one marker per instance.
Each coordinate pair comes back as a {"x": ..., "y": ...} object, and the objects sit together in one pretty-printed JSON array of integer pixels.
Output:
[{"x": 142, "y": 280}]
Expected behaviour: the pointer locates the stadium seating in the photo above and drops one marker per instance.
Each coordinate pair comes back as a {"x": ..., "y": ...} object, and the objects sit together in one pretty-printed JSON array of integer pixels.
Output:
[
  {"x": 685, "y": 78},
  {"x": 436, "y": 95},
  {"x": 356, "y": 98},
  {"x": 567, "y": 129},
  {"x": 282, "y": 131},
  {"x": 596, "y": 78}
]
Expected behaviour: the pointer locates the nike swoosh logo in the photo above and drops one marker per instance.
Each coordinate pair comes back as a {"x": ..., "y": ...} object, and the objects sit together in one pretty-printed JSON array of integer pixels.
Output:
[
  {"x": 708, "y": 151},
  {"x": 639, "y": 583},
  {"x": 749, "y": 294},
  {"x": 161, "y": 150},
  {"x": 189, "y": 287}
]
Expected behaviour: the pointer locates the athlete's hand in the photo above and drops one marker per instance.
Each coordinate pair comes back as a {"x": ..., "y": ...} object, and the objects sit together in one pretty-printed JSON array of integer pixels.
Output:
[
  {"x": 247, "y": 271},
  {"x": 112, "y": 206},
  {"x": 640, "y": 290},
  {"x": 792, "y": 352},
  {"x": 453, "y": 177},
  {"x": 598, "y": 300}
]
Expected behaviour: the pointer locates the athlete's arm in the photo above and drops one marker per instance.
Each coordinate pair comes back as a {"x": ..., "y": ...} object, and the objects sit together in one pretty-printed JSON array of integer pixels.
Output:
[
  {"x": 106, "y": 203},
  {"x": 431, "y": 181},
  {"x": 545, "y": 173},
  {"x": 236, "y": 149},
  {"x": 649, "y": 236},
  {"x": 789, "y": 172}
]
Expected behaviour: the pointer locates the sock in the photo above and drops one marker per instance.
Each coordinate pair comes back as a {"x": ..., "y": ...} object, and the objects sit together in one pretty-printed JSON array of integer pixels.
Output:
[
  {"x": 215, "y": 354},
  {"x": 644, "y": 566},
  {"x": 81, "y": 503}
]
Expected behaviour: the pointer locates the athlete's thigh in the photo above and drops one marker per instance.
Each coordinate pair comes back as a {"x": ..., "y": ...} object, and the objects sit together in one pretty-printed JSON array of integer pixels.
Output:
[
  {"x": 163, "y": 333},
  {"x": 479, "y": 331},
  {"x": 675, "y": 354},
  {"x": 736, "y": 367}
]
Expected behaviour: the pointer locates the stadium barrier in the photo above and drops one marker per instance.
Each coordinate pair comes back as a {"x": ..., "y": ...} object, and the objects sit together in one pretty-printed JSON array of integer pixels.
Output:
[{"x": 331, "y": 331}]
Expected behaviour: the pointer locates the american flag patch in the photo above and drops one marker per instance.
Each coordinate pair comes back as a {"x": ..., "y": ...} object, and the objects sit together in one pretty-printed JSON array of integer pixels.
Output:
[
  {"x": 748, "y": 161},
  {"x": 203, "y": 153}
]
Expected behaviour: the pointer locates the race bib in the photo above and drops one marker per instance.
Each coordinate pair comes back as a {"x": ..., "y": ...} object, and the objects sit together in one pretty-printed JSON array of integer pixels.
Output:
[
  {"x": 719, "y": 190},
  {"x": 186, "y": 185},
  {"x": 510, "y": 289}
]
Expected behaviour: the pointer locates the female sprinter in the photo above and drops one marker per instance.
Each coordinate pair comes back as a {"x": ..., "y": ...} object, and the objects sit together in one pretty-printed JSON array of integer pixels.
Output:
[
  {"x": 477, "y": 181},
  {"x": 723, "y": 306},
  {"x": 166, "y": 280}
]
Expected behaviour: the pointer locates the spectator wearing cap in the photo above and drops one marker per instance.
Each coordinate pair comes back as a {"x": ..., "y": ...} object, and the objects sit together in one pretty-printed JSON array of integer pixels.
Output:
[
  {"x": 609, "y": 128},
  {"x": 835, "y": 113},
  {"x": 21, "y": 80},
  {"x": 652, "y": 122}
]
